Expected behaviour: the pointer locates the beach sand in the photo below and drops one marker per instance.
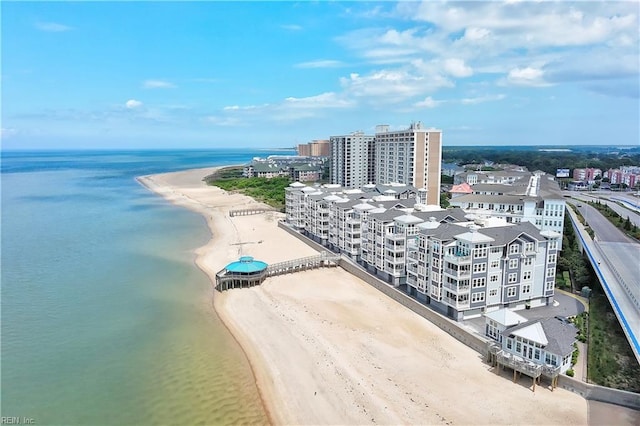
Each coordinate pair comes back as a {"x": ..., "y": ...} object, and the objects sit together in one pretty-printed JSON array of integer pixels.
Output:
[{"x": 327, "y": 348}]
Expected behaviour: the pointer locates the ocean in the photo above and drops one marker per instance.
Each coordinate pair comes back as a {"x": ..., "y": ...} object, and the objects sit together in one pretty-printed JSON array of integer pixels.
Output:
[{"x": 105, "y": 317}]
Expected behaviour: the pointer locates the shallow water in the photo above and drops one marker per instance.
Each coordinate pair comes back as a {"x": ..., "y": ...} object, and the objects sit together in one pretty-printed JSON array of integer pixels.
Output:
[{"x": 105, "y": 317}]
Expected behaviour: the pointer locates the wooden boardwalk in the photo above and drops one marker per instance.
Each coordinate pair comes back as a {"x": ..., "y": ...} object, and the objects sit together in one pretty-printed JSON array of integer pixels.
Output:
[
  {"x": 247, "y": 212},
  {"x": 312, "y": 262}
]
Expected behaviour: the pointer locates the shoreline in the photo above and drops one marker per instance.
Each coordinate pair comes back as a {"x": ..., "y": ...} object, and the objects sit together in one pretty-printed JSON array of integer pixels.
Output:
[{"x": 309, "y": 332}]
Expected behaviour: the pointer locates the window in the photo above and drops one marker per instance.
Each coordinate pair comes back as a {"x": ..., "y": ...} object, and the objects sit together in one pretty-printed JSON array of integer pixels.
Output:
[
  {"x": 495, "y": 264},
  {"x": 513, "y": 278},
  {"x": 551, "y": 272},
  {"x": 478, "y": 282},
  {"x": 509, "y": 343},
  {"x": 527, "y": 262},
  {"x": 493, "y": 278},
  {"x": 526, "y": 288},
  {"x": 552, "y": 258},
  {"x": 511, "y": 291},
  {"x": 526, "y": 275},
  {"x": 479, "y": 267},
  {"x": 514, "y": 248},
  {"x": 548, "y": 286},
  {"x": 477, "y": 297},
  {"x": 493, "y": 293},
  {"x": 518, "y": 347},
  {"x": 536, "y": 354},
  {"x": 513, "y": 263}
]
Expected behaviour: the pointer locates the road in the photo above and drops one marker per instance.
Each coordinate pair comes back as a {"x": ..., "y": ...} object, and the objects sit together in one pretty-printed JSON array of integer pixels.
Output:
[
  {"x": 616, "y": 260},
  {"x": 630, "y": 204}
]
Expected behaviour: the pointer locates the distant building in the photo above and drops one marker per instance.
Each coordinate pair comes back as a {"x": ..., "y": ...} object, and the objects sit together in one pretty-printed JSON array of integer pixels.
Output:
[
  {"x": 514, "y": 196},
  {"x": 412, "y": 157},
  {"x": 587, "y": 175},
  {"x": 351, "y": 160},
  {"x": 316, "y": 148}
]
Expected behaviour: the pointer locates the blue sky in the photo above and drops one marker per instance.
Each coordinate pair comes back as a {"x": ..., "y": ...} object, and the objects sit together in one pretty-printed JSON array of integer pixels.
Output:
[{"x": 275, "y": 74}]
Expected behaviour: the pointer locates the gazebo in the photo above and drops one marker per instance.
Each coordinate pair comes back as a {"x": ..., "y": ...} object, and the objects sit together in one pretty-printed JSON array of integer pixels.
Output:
[{"x": 245, "y": 272}]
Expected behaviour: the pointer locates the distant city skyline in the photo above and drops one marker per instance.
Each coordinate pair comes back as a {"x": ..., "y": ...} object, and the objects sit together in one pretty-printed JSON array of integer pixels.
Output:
[{"x": 278, "y": 74}]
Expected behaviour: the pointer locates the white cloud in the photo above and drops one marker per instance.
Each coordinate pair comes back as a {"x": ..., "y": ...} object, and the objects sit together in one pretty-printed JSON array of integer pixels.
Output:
[
  {"x": 52, "y": 27},
  {"x": 528, "y": 76},
  {"x": 158, "y": 84},
  {"x": 457, "y": 68},
  {"x": 321, "y": 63},
  {"x": 428, "y": 102},
  {"x": 7, "y": 132},
  {"x": 133, "y": 104},
  {"x": 323, "y": 100},
  {"x": 482, "y": 99}
]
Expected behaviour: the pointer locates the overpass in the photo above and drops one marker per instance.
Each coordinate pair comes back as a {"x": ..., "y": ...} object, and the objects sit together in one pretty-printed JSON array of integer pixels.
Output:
[{"x": 616, "y": 261}]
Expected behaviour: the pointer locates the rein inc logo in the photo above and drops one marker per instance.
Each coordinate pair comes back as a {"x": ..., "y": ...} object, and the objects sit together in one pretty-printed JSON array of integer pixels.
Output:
[{"x": 6, "y": 420}]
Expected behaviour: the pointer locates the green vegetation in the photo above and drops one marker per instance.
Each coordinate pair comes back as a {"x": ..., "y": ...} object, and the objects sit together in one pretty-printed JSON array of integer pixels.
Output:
[
  {"x": 548, "y": 161},
  {"x": 268, "y": 191},
  {"x": 581, "y": 321},
  {"x": 570, "y": 372},
  {"x": 574, "y": 270},
  {"x": 624, "y": 225},
  {"x": 611, "y": 361}
]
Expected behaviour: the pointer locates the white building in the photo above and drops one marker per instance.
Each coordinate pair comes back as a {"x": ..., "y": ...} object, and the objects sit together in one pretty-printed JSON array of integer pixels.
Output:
[
  {"x": 351, "y": 160},
  {"x": 412, "y": 156},
  {"x": 459, "y": 267},
  {"x": 514, "y": 196}
]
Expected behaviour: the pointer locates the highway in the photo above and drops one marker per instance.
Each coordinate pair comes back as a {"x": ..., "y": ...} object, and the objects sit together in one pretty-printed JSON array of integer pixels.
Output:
[
  {"x": 630, "y": 204},
  {"x": 616, "y": 260}
]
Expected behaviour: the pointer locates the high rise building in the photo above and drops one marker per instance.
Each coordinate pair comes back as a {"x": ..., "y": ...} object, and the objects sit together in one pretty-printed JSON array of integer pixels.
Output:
[
  {"x": 352, "y": 160},
  {"x": 411, "y": 157}
]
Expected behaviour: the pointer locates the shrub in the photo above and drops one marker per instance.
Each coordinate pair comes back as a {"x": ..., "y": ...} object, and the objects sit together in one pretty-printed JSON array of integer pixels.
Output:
[{"x": 570, "y": 372}]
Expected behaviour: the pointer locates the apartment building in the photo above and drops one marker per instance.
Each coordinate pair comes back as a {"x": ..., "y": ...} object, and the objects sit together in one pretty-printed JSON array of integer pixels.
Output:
[
  {"x": 315, "y": 148},
  {"x": 465, "y": 269},
  {"x": 352, "y": 160},
  {"x": 412, "y": 157},
  {"x": 456, "y": 263},
  {"x": 514, "y": 196}
]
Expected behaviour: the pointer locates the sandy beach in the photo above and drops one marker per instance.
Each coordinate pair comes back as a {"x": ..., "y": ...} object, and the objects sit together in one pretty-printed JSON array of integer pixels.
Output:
[{"x": 326, "y": 348}]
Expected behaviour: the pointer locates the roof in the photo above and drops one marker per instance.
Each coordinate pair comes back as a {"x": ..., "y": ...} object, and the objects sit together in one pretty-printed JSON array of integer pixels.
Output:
[
  {"x": 533, "y": 332},
  {"x": 463, "y": 188},
  {"x": 558, "y": 335},
  {"x": 246, "y": 265},
  {"x": 505, "y": 317}
]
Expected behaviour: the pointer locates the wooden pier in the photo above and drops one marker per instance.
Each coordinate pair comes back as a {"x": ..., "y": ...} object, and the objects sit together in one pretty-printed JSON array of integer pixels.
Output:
[
  {"x": 247, "y": 212},
  {"x": 226, "y": 280},
  {"x": 312, "y": 262}
]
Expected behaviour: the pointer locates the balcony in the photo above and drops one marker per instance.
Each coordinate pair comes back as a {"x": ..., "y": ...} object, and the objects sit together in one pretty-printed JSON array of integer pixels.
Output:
[
  {"x": 458, "y": 258},
  {"x": 458, "y": 273},
  {"x": 457, "y": 288},
  {"x": 395, "y": 237},
  {"x": 458, "y": 304}
]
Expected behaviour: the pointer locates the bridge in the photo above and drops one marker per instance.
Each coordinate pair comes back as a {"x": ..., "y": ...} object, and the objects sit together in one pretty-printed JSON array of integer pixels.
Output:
[{"x": 615, "y": 261}]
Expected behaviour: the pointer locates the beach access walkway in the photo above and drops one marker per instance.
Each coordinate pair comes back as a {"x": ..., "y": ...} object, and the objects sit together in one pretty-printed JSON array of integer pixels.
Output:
[{"x": 228, "y": 279}]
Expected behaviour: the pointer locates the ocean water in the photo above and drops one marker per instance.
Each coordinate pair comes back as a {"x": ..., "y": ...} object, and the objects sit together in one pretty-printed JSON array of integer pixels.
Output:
[{"x": 105, "y": 317}]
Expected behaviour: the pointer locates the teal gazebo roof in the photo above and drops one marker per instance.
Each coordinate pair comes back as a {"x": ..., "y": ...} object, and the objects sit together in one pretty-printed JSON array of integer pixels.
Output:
[{"x": 246, "y": 265}]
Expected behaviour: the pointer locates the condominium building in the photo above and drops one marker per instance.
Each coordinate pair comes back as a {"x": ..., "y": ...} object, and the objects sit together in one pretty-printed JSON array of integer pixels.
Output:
[
  {"x": 512, "y": 195},
  {"x": 412, "y": 156},
  {"x": 352, "y": 160},
  {"x": 463, "y": 270},
  {"x": 458, "y": 264}
]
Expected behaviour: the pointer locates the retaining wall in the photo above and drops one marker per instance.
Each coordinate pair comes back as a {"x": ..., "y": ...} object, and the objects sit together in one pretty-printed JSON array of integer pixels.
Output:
[{"x": 474, "y": 341}]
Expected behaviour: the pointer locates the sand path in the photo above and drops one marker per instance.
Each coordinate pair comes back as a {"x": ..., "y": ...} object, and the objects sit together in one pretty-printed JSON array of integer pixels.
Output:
[{"x": 326, "y": 348}]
